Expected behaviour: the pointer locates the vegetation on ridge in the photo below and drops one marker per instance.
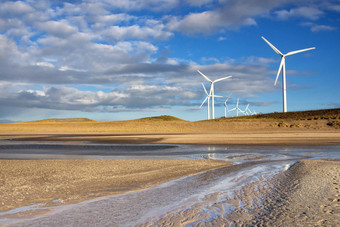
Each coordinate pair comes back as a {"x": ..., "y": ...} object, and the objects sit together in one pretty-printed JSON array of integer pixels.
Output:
[{"x": 161, "y": 118}]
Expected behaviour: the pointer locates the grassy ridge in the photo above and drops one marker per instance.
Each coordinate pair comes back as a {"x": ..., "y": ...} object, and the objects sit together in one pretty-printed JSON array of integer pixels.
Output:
[
  {"x": 161, "y": 118},
  {"x": 325, "y": 114}
]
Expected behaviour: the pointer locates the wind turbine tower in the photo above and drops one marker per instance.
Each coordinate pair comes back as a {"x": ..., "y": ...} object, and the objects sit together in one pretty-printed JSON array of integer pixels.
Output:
[
  {"x": 283, "y": 68},
  {"x": 212, "y": 91}
]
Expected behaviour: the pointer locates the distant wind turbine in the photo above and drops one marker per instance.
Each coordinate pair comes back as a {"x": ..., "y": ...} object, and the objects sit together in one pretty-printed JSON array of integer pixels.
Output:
[
  {"x": 226, "y": 106},
  {"x": 212, "y": 91},
  {"x": 207, "y": 98},
  {"x": 283, "y": 68},
  {"x": 237, "y": 108},
  {"x": 247, "y": 110}
]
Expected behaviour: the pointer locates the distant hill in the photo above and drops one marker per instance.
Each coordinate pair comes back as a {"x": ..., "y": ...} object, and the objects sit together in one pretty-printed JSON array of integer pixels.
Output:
[
  {"x": 6, "y": 121},
  {"x": 62, "y": 120},
  {"x": 161, "y": 118}
]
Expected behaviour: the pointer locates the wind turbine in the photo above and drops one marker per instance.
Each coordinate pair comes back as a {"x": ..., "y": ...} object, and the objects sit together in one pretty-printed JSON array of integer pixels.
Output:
[
  {"x": 207, "y": 98},
  {"x": 212, "y": 91},
  {"x": 283, "y": 68},
  {"x": 247, "y": 110},
  {"x": 226, "y": 107},
  {"x": 237, "y": 108}
]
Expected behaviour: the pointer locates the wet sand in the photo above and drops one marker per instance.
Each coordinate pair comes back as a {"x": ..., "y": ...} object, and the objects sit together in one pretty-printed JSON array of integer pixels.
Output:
[
  {"x": 307, "y": 194},
  {"x": 249, "y": 137},
  {"x": 27, "y": 182}
]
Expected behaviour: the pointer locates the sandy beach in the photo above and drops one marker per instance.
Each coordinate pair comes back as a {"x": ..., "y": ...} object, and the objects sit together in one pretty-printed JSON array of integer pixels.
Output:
[
  {"x": 27, "y": 182},
  {"x": 307, "y": 194}
]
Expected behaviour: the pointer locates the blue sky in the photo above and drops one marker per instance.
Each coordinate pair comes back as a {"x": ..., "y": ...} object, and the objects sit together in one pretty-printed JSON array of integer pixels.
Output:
[{"x": 125, "y": 59}]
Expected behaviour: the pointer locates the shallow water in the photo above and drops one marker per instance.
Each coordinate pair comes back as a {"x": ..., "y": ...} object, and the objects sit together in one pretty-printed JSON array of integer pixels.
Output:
[
  {"x": 235, "y": 153},
  {"x": 207, "y": 193}
]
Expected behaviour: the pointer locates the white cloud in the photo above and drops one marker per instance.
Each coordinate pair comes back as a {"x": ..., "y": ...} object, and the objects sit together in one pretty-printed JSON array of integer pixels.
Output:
[
  {"x": 8, "y": 49},
  {"x": 231, "y": 14},
  {"x": 311, "y": 13},
  {"x": 319, "y": 28},
  {"x": 45, "y": 64},
  {"x": 153, "y": 5},
  {"x": 259, "y": 60},
  {"x": 58, "y": 28},
  {"x": 198, "y": 2},
  {"x": 15, "y": 8},
  {"x": 205, "y": 22},
  {"x": 136, "y": 32}
]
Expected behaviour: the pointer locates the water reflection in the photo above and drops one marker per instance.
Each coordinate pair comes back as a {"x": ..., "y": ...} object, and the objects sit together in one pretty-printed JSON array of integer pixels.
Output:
[{"x": 236, "y": 154}]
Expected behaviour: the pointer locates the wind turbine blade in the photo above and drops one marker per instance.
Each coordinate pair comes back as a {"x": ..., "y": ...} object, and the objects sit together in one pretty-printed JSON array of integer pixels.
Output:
[
  {"x": 272, "y": 46},
  {"x": 205, "y": 90},
  {"x": 207, "y": 78},
  {"x": 204, "y": 102},
  {"x": 224, "y": 78},
  {"x": 299, "y": 51},
  {"x": 227, "y": 98},
  {"x": 247, "y": 107},
  {"x": 280, "y": 68},
  {"x": 218, "y": 96}
]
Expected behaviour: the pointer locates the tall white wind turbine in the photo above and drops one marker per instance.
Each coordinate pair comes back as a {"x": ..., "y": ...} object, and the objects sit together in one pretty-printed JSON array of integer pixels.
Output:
[
  {"x": 212, "y": 91},
  {"x": 283, "y": 68},
  {"x": 207, "y": 98}
]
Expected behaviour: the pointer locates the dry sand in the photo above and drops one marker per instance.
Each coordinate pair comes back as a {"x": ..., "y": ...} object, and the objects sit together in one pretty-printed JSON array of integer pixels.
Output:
[{"x": 27, "y": 182}]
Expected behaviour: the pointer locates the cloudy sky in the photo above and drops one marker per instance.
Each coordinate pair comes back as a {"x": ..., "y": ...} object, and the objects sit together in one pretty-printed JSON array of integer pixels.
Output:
[{"x": 127, "y": 59}]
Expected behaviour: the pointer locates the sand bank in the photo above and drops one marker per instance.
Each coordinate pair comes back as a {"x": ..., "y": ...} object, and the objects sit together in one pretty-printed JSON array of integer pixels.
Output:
[
  {"x": 27, "y": 182},
  {"x": 250, "y": 137}
]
